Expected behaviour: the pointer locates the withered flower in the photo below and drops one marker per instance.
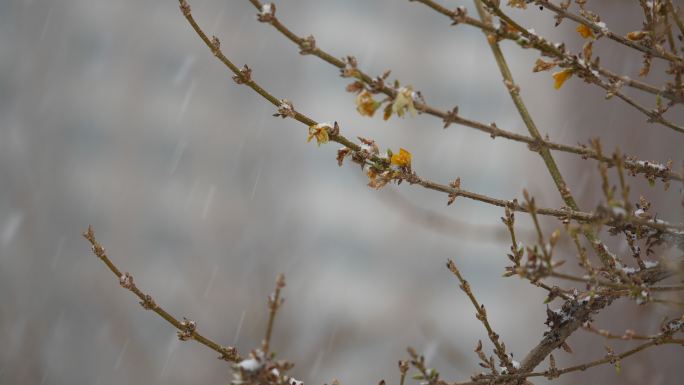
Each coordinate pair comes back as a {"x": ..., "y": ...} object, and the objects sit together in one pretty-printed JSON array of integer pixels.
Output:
[
  {"x": 541, "y": 65},
  {"x": 365, "y": 104},
  {"x": 402, "y": 102},
  {"x": 320, "y": 132}
]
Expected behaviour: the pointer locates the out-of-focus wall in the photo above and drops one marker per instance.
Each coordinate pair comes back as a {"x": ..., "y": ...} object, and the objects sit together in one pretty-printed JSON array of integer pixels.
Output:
[{"x": 113, "y": 113}]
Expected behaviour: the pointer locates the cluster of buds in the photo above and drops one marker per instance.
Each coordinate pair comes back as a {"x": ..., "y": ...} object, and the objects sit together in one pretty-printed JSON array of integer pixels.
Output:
[
  {"x": 148, "y": 303},
  {"x": 262, "y": 370},
  {"x": 215, "y": 46},
  {"x": 350, "y": 69},
  {"x": 285, "y": 110},
  {"x": 126, "y": 281},
  {"x": 459, "y": 15},
  {"x": 187, "y": 329},
  {"x": 307, "y": 45}
]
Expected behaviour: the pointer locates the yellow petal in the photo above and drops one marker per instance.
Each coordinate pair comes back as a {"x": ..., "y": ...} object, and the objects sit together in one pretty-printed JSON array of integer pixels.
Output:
[
  {"x": 402, "y": 159},
  {"x": 388, "y": 112},
  {"x": 560, "y": 77},
  {"x": 585, "y": 31}
]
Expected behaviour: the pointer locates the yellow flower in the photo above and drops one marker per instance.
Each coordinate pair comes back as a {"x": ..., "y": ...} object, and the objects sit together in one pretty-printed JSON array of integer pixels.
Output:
[
  {"x": 320, "y": 132},
  {"x": 365, "y": 104},
  {"x": 402, "y": 159},
  {"x": 404, "y": 101},
  {"x": 585, "y": 31},
  {"x": 560, "y": 77}
]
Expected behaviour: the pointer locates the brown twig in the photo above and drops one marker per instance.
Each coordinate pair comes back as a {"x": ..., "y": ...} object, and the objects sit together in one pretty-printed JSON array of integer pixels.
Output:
[
  {"x": 481, "y": 315},
  {"x": 274, "y": 303},
  {"x": 626, "y": 336},
  {"x": 186, "y": 329}
]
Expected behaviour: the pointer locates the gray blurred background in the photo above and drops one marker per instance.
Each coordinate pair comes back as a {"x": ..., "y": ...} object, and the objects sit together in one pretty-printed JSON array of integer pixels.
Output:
[{"x": 113, "y": 113}]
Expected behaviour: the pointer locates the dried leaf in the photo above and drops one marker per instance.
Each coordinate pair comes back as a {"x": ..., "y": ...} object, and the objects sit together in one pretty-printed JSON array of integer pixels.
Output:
[{"x": 541, "y": 65}]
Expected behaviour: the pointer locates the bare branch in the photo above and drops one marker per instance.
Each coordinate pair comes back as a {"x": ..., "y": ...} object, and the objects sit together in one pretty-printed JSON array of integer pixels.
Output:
[{"x": 186, "y": 329}]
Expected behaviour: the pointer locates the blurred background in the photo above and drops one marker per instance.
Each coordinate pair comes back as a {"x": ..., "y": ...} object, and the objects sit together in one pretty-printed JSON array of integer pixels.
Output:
[{"x": 113, "y": 113}]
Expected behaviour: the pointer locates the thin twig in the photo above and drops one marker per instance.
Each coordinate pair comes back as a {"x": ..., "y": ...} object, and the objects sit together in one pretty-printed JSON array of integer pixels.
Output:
[
  {"x": 186, "y": 329},
  {"x": 655, "y": 52},
  {"x": 274, "y": 303},
  {"x": 628, "y": 335},
  {"x": 499, "y": 348}
]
